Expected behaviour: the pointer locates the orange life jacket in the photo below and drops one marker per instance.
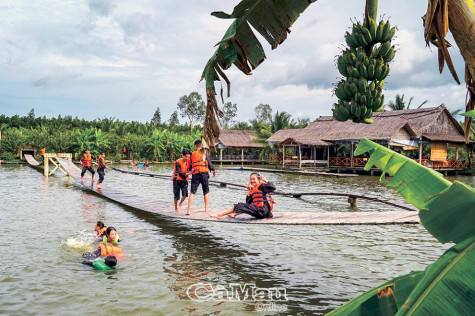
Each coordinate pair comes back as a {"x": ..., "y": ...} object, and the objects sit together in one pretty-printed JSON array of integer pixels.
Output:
[
  {"x": 259, "y": 198},
  {"x": 101, "y": 163},
  {"x": 184, "y": 168},
  {"x": 43, "y": 151},
  {"x": 109, "y": 250},
  {"x": 87, "y": 160},
  {"x": 199, "y": 165}
]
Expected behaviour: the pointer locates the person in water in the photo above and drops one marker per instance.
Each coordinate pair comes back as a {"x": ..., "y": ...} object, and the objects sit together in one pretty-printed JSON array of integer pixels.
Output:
[
  {"x": 111, "y": 236},
  {"x": 86, "y": 161},
  {"x": 101, "y": 165},
  {"x": 107, "y": 263},
  {"x": 181, "y": 171},
  {"x": 200, "y": 167},
  {"x": 259, "y": 203},
  {"x": 100, "y": 229}
]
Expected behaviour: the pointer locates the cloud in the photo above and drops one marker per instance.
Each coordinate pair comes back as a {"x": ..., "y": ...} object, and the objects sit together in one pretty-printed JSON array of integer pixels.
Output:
[{"x": 101, "y": 7}]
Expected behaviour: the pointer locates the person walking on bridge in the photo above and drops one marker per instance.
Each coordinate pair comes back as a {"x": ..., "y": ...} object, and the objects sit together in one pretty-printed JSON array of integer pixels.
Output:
[
  {"x": 43, "y": 152},
  {"x": 86, "y": 161},
  {"x": 101, "y": 165},
  {"x": 200, "y": 167},
  {"x": 181, "y": 172}
]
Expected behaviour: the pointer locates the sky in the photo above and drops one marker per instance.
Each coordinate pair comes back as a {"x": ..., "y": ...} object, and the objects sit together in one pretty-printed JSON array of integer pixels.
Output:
[{"x": 122, "y": 58}]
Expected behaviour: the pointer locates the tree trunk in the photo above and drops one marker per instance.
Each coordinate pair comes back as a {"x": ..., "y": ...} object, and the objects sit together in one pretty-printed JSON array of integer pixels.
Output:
[{"x": 462, "y": 26}]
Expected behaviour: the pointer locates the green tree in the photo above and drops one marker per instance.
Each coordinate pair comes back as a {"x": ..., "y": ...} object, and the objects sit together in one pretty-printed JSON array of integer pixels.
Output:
[
  {"x": 263, "y": 112},
  {"x": 31, "y": 114},
  {"x": 192, "y": 107},
  {"x": 157, "y": 117},
  {"x": 12, "y": 140},
  {"x": 230, "y": 112},
  {"x": 173, "y": 121},
  {"x": 400, "y": 104}
]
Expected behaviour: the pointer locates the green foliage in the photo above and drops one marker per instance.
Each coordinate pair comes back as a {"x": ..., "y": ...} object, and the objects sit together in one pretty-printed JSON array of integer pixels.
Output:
[
  {"x": 263, "y": 112},
  {"x": 12, "y": 140},
  {"x": 192, "y": 107},
  {"x": 6, "y": 156},
  {"x": 157, "y": 117},
  {"x": 230, "y": 112}
]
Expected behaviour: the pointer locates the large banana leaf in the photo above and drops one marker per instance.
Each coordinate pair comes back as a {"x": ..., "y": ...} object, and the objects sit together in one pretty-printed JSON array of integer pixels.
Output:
[
  {"x": 446, "y": 287},
  {"x": 240, "y": 46},
  {"x": 447, "y": 210},
  {"x": 469, "y": 113},
  {"x": 385, "y": 299}
]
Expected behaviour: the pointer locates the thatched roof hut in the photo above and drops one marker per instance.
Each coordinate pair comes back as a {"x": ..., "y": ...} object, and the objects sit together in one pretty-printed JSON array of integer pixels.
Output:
[
  {"x": 433, "y": 124},
  {"x": 229, "y": 138}
]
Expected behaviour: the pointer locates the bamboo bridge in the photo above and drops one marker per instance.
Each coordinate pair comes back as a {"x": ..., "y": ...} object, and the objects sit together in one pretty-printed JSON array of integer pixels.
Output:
[{"x": 280, "y": 218}]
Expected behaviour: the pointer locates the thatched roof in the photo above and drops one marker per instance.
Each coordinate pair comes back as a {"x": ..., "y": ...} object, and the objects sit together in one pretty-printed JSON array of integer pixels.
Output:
[
  {"x": 237, "y": 139},
  {"x": 305, "y": 142},
  {"x": 436, "y": 124}
]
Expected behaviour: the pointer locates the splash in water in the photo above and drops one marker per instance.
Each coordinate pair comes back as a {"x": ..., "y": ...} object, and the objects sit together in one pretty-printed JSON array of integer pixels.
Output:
[{"x": 82, "y": 240}]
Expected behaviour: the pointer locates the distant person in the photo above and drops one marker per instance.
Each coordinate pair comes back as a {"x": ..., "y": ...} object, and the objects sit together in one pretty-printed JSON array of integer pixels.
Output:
[
  {"x": 86, "y": 162},
  {"x": 259, "y": 203},
  {"x": 100, "y": 229},
  {"x": 107, "y": 263},
  {"x": 101, "y": 165},
  {"x": 200, "y": 167},
  {"x": 43, "y": 152},
  {"x": 181, "y": 171}
]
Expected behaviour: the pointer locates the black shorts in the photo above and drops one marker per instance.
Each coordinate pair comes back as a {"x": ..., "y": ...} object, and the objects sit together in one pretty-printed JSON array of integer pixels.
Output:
[
  {"x": 84, "y": 169},
  {"x": 198, "y": 178},
  {"x": 180, "y": 186}
]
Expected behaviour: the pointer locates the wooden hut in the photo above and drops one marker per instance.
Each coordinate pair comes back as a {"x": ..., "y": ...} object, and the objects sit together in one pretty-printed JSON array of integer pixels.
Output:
[
  {"x": 235, "y": 141},
  {"x": 407, "y": 129}
]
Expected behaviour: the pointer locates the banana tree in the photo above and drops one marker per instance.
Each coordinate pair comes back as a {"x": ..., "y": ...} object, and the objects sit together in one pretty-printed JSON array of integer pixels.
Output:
[
  {"x": 447, "y": 286},
  {"x": 273, "y": 19}
]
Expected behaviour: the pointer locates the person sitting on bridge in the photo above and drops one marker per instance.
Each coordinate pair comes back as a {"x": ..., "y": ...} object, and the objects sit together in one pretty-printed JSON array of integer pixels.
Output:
[
  {"x": 200, "y": 167},
  {"x": 86, "y": 161},
  {"x": 259, "y": 203},
  {"x": 101, "y": 165},
  {"x": 181, "y": 172}
]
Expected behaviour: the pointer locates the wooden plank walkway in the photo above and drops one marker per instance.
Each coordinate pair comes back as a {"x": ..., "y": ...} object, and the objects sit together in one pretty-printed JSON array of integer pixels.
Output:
[
  {"x": 31, "y": 160},
  {"x": 280, "y": 218}
]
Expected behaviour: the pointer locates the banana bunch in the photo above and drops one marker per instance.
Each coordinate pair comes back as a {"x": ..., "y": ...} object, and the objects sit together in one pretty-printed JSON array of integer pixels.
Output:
[{"x": 365, "y": 64}]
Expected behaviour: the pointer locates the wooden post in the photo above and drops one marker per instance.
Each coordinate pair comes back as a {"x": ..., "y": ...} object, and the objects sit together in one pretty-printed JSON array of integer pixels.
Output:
[
  {"x": 328, "y": 156},
  {"x": 300, "y": 157},
  {"x": 46, "y": 159},
  {"x": 353, "y": 200},
  {"x": 283, "y": 156},
  {"x": 221, "y": 155},
  {"x": 457, "y": 153},
  {"x": 242, "y": 155},
  {"x": 420, "y": 153},
  {"x": 351, "y": 157}
]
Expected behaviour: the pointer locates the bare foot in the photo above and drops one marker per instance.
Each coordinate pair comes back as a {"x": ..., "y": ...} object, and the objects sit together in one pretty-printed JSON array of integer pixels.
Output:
[
  {"x": 232, "y": 215},
  {"x": 188, "y": 213},
  {"x": 215, "y": 216},
  {"x": 177, "y": 211}
]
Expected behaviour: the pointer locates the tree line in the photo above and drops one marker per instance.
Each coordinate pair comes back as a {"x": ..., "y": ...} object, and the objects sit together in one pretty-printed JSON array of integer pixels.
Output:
[{"x": 155, "y": 140}]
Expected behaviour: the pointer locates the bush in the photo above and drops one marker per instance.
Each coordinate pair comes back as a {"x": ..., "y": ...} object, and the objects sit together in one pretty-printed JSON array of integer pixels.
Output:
[
  {"x": 117, "y": 158},
  {"x": 8, "y": 157}
]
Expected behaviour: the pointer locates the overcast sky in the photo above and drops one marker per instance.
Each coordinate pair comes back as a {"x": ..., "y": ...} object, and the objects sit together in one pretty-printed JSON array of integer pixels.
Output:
[{"x": 122, "y": 58}]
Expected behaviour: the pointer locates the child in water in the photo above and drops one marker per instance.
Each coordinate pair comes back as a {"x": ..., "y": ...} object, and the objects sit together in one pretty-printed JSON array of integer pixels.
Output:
[
  {"x": 111, "y": 236},
  {"x": 107, "y": 263},
  {"x": 100, "y": 229},
  {"x": 259, "y": 203}
]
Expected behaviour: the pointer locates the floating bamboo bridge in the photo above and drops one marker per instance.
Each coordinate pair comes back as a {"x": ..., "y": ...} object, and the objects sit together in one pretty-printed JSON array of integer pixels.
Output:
[{"x": 280, "y": 218}]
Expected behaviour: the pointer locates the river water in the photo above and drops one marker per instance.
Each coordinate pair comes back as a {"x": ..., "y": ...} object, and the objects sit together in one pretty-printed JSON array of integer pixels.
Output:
[{"x": 47, "y": 223}]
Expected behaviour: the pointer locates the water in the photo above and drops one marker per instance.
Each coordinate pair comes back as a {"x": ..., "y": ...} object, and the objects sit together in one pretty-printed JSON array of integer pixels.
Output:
[{"x": 46, "y": 224}]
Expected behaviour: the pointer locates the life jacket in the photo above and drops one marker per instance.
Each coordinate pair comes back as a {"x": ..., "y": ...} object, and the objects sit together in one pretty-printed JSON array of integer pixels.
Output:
[
  {"x": 198, "y": 165},
  {"x": 259, "y": 198},
  {"x": 184, "y": 168},
  {"x": 43, "y": 151},
  {"x": 109, "y": 250},
  {"x": 87, "y": 160},
  {"x": 101, "y": 163}
]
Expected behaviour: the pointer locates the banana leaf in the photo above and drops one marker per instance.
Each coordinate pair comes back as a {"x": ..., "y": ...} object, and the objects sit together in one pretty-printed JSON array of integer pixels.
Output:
[
  {"x": 446, "y": 287},
  {"x": 469, "y": 113},
  {"x": 240, "y": 46},
  {"x": 446, "y": 209},
  {"x": 385, "y": 299}
]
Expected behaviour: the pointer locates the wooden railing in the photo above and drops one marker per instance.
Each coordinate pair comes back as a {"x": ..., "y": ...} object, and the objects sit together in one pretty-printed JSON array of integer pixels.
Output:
[
  {"x": 361, "y": 162},
  {"x": 236, "y": 157}
]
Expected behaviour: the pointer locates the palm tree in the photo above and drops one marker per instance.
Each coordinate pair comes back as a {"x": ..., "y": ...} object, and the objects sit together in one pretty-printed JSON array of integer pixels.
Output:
[{"x": 400, "y": 103}]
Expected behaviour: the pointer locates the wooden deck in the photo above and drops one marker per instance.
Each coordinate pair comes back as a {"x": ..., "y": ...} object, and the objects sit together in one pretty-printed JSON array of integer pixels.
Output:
[
  {"x": 299, "y": 172},
  {"x": 280, "y": 218}
]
